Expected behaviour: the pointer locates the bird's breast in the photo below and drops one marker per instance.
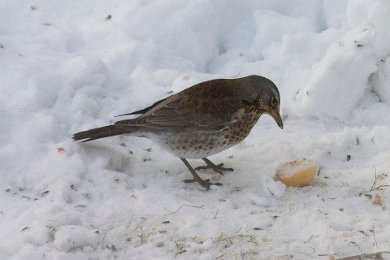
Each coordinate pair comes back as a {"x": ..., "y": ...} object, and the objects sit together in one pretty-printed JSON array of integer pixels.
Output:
[
  {"x": 193, "y": 144},
  {"x": 200, "y": 144}
]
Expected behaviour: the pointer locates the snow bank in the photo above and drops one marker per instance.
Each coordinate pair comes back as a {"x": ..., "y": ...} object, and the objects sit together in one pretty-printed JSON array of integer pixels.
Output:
[{"x": 346, "y": 72}]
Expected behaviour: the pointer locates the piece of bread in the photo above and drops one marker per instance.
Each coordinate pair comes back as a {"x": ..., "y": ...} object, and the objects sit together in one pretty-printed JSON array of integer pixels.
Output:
[{"x": 297, "y": 173}]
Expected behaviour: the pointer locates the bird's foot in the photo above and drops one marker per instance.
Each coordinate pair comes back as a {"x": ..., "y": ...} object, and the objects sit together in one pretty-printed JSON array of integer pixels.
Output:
[
  {"x": 204, "y": 183},
  {"x": 215, "y": 167}
]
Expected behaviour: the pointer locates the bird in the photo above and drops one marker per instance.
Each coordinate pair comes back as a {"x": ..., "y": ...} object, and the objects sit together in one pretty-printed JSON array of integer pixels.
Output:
[{"x": 201, "y": 120}]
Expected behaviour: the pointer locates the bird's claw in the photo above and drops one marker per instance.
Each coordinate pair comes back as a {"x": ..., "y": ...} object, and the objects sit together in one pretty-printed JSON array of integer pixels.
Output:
[{"x": 216, "y": 168}]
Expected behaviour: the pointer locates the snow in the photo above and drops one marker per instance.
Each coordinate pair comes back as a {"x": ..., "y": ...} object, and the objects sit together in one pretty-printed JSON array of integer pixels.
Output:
[{"x": 71, "y": 65}]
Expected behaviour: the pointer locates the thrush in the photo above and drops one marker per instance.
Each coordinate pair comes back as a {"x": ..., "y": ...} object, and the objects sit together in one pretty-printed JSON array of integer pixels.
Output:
[{"x": 201, "y": 120}]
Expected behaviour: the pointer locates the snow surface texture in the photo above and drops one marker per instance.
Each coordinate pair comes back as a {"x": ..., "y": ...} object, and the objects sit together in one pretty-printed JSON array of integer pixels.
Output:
[{"x": 71, "y": 65}]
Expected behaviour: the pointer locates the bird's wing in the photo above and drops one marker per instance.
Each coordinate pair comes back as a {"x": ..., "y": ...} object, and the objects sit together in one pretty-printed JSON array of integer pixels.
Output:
[{"x": 202, "y": 107}]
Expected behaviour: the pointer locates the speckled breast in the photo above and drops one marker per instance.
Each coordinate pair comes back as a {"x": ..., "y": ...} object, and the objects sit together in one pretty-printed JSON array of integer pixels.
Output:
[{"x": 199, "y": 144}]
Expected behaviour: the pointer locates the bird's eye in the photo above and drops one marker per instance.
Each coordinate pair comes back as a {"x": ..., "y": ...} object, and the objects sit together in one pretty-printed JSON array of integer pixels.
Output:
[{"x": 274, "y": 102}]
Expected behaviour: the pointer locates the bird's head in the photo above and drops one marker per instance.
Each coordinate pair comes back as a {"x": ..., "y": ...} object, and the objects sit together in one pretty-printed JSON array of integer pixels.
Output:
[{"x": 263, "y": 93}]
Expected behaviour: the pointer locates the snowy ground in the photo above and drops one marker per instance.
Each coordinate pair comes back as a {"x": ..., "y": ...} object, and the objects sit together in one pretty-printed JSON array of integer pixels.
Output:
[{"x": 70, "y": 65}]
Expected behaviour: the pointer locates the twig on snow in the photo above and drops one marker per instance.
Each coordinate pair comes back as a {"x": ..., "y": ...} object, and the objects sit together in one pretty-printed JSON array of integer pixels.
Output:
[{"x": 182, "y": 206}]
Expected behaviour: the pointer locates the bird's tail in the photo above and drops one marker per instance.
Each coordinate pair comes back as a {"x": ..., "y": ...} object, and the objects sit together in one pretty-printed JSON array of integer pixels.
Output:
[{"x": 97, "y": 133}]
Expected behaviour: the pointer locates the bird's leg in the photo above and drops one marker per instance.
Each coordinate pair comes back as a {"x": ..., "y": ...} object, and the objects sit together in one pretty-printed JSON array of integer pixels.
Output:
[
  {"x": 210, "y": 165},
  {"x": 203, "y": 183}
]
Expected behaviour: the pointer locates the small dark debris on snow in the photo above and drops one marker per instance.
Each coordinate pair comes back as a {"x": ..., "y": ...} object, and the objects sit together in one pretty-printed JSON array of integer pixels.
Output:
[
  {"x": 170, "y": 92},
  {"x": 24, "y": 229},
  {"x": 148, "y": 149},
  {"x": 112, "y": 247},
  {"x": 377, "y": 200},
  {"x": 257, "y": 228},
  {"x": 45, "y": 193},
  {"x": 166, "y": 222},
  {"x": 147, "y": 159},
  {"x": 368, "y": 196},
  {"x": 33, "y": 8},
  {"x": 1, "y": 46},
  {"x": 160, "y": 244},
  {"x": 108, "y": 17},
  {"x": 341, "y": 209},
  {"x": 123, "y": 144},
  {"x": 349, "y": 157},
  {"x": 8, "y": 190},
  {"x": 358, "y": 44},
  {"x": 275, "y": 217},
  {"x": 357, "y": 141}
]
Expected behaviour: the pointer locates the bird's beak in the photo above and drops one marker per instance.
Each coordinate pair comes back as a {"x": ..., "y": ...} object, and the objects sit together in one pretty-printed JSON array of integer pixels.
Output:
[{"x": 276, "y": 116}]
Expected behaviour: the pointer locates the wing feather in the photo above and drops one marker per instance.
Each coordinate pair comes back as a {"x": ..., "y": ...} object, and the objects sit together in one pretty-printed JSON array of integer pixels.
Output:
[{"x": 208, "y": 106}]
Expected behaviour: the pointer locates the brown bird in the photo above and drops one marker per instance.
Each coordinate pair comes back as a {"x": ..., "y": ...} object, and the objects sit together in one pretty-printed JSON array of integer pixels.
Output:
[{"x": 201, "y": 120}]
